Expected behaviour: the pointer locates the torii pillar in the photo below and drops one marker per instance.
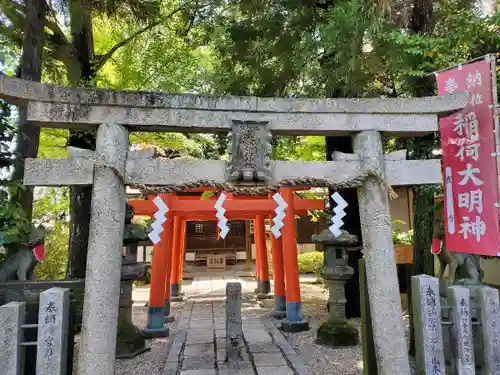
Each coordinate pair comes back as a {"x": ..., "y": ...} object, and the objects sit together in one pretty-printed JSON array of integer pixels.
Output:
[
  {"x": 264, "y": 285},
  {"x": 294, "y": 321},
  {"x": 172, "y": 244},
  {"x": 156, "y": 311},
  {"x": 176, "y": 293},
  {"x": 278, "y": 276}
]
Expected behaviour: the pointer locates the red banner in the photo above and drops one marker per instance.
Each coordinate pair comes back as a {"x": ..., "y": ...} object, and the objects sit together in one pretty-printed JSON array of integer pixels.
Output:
[{"x": 469, "y": 162}]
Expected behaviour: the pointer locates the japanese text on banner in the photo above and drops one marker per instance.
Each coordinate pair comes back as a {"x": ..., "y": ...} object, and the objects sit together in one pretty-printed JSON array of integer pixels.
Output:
[{"x": 470, "y": 171}]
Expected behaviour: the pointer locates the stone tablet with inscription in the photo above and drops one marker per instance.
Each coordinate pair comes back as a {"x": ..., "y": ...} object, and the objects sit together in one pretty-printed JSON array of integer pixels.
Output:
[
  {"x": 459, "y": 301},
  {"x": 234, "y": 331},
  {"x": 490, "y": 329},
  {"x": 427, "y": 320},
  {"x": 52, "y": 332}
]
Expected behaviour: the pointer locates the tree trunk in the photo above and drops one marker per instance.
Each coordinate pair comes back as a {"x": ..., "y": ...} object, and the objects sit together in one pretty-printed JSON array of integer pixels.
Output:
[
  {"x": 81, "y": 197},
  {"x": 423, "y": 262},
  {"x": 30, "y": 69},
  {"x": 352, "y": 224}
]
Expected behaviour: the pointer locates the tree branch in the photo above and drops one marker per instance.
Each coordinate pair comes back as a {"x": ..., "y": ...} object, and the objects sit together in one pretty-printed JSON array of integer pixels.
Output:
[{"x": 102, "y": 59}]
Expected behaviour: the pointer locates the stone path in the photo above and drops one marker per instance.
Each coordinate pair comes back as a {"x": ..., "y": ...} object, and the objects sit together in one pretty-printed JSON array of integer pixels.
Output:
[{"x": 199, "y": 343}]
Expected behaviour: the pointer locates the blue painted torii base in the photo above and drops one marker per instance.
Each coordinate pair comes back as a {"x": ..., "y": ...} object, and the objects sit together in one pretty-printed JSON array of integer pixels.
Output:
[
  {"x": 176, "y": 293},
  {"x": 169, "y": 318},
  {"x": 156, "y": 324},
  {"x": 294, "y": 321},
  {"x": 279, "y": 307}
]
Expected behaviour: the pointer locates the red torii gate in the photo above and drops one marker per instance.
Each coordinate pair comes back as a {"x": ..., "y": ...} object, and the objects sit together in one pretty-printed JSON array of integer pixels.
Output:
[{"x": 168, "y": 254}]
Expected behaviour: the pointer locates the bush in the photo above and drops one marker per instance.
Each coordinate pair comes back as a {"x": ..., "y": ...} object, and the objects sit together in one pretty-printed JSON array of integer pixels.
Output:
[
  {"x": 338, "y": 334},
  {"x": 311, "y": 262}
]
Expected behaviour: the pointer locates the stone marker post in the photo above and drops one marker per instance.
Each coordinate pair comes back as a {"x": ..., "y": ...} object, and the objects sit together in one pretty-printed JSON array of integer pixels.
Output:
[
  {"x": 427, "y": 324},
  {"x": 234, "y": 331},
  {"x": 53, "y": 321},
  {"x": 102, "y": 281},
  {"x": 381, "y": 275},
  {"x": 11, "y": 352},
  {"x": 490, "y": 329},
  {"x": 459, "y": 301}
]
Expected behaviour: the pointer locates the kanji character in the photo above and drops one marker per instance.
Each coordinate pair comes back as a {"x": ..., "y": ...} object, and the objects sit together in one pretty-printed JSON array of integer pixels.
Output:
[
  {"x": 474, "y": 80},
  {"x": 467, "y": 149},
  {"x": 450, "y": 85},
  {"x": 468, "y": 174},
  {"x": 476, "y": 98},
  {"x": 476, "y": 228},
  {"x": 467, "y": 126},
  {"x": 470, "y": 200}
]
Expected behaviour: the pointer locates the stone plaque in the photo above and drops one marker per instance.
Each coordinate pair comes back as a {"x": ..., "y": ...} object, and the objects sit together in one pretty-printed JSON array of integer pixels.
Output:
[
  {"x": 428, "y": 331},
  {"x": 11, "y": 352},
  {"x": 52, "y": 332},
  {"x": 490, "y": 329},
  {"x": 459, "y": 301},
  {"x": 249, "y": 151},
  {"x": 217, "y": 261},
  {"x": 234, "y": 329}
]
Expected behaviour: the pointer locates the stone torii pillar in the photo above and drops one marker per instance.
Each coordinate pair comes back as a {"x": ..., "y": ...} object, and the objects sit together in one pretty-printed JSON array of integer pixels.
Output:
[
  {"x": 102, "y": 280},
  {"x": 381, "y": 273}
]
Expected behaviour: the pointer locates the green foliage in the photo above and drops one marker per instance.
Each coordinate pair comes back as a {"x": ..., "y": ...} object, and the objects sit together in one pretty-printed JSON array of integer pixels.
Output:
[
  {"x": 51, "y": 210},
  {"x": 336, "y": 334},
  {"x": 311, "y": 262},
  {"x": 402, "y": 238}
]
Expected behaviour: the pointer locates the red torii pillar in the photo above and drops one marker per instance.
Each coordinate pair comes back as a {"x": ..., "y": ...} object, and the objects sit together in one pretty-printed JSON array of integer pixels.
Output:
[
  {"x": 264, "y": 285},
  {"x": 294, "y": 321},
  {"x": 156, "y": 312},
  {"x": 278, "y": 275},
  {"x": 172, "y": 264},
  {"x": 176, "y": 293}
]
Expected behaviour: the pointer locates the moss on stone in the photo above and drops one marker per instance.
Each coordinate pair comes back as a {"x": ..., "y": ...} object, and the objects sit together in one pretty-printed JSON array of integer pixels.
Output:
[{"x": 338, "y": 334}]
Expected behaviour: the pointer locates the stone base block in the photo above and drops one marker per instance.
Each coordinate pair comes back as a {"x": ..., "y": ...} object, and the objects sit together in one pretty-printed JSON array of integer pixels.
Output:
[
  {"x": 279, "y": 314},
  {"x": 169, "y": 319},
  {"x": 132, "y": 354},
  {"x": 150, "y": 333},
  {"x": 178, "y": 298},
  {"x": 337, "y": 334},
  {"x": 264, "y": 296},
  {"x": 295, "y": 326}
]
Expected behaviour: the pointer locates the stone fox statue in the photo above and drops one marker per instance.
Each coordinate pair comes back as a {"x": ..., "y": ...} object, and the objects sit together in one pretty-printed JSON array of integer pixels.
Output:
[
  {"x": 21, "y": 265},
  {"x": 464, "y": 264}
]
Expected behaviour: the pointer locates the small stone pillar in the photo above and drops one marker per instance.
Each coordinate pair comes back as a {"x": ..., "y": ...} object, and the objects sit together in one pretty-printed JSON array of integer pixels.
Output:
[
  {"x": 11, "y": 351},
  {"x": 337, "y": 332},
  {"x": 53, "y": 325},
  {"x": 102, "y": 281},
  {"x": 234, "y": 330}
]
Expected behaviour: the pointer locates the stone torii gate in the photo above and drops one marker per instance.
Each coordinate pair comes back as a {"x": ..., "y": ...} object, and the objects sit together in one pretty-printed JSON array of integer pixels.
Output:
[{"x": 111, "y": 167}]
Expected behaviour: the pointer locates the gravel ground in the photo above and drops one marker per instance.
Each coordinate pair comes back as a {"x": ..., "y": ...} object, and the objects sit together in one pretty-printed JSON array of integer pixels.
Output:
[
  {"x": 320, "y": 359},
  {"x": 151, "y": 362}
]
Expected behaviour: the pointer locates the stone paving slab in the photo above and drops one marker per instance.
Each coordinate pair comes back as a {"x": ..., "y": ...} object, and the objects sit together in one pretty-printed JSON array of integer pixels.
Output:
[
  {"x": 199, "y": 372},
  {"x": 199, "y": 350},
  {"x": 276, "y": 370},
  {"x": 198, "y": 363},
  {"x": 268, "y": 359}
]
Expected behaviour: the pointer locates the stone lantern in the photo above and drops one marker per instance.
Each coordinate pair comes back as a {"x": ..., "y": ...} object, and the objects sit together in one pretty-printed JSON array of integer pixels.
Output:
[
  {"x": 130, "y": 342},
  {"x": 336, "y": 271}
]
